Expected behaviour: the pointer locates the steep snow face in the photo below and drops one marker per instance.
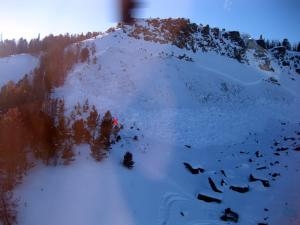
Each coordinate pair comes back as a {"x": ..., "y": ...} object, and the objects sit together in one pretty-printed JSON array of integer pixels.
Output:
[
  {"x": 13, "y": 68},
  {"x": 202, "y": 109}
]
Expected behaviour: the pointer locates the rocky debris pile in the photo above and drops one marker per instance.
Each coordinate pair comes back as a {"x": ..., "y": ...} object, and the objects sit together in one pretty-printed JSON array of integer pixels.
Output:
[{"x": 268, "y": 170}]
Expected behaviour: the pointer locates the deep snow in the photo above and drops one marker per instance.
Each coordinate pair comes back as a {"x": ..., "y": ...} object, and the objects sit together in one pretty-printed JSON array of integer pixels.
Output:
[{"x": 226, "y": 111}]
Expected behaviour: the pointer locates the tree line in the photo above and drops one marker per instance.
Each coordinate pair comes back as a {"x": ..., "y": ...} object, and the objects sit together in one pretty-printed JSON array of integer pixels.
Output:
[
  {"x": 269, "y": 44},
  {"x": 37, "y": 45}
]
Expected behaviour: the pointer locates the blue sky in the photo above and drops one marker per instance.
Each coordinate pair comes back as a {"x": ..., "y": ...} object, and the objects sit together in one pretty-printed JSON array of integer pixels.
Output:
[{"x": 275, "y": 19}]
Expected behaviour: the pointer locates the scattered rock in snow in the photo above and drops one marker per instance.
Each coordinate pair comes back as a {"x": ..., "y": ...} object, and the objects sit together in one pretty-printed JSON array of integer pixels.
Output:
[
  {"x": 258, "y": 154},
  {"x": 223, "y": 173},
  {"x": 242, "y": 152},
  {"x": 223, "y": 182},
  {"x": 265, "y": 183},
  {"x": 208, "y": 198},
  {"x": 289, "y": 139},
  {"x": 239, "y": 189},
  {"x": 230, "y": 215},
  {"x": 297, "y": 148},
  {"x": 274, "y": 174},
  {"x": 273, "y": 80},
  {"x": 281, "y": 149},
  {"x": 213, "y": 186},
  {"x": 135, "y": 138},
  {"x": 118, "y": 138},
  {"x": 193, "y": 170},
  {"x": 261, "y": 168}
]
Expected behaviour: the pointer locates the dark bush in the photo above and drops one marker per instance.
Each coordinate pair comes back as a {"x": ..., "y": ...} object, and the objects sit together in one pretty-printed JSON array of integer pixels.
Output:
[
  {"x": 8, "y": 205},
  {"x": 84, "y": 54},
  {"x": 127, "y": 160}
]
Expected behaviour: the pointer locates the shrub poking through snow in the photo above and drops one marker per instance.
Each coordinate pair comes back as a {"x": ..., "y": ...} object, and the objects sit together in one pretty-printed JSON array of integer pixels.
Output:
[
  {"x": 84, "y": 54},
  {"x": 127, "y": 160}
]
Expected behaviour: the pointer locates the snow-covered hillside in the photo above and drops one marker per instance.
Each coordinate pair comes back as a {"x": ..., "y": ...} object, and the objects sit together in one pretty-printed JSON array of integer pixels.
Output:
[
  {"x": 13, "y": 68},
  {"x": 187, "y": 109}
]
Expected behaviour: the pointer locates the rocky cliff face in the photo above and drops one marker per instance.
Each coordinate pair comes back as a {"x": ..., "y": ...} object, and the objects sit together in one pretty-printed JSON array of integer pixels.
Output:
[{"x": 184, "y": 34}]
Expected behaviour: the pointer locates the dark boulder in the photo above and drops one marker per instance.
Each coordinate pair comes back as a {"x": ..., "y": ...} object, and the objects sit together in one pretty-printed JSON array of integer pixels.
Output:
[
  {"x": 262, "y": 168},
  {"x": 193, "y": 170},
  {"x": 230, "y": 215},
  {"x": 239, "y": 189},
  {"x": 281, "y": 149},
  {"x": 297, "y": 148},
  {"x": 265, "y": 183},
  {"x": 213, "y": 186},
  {"x": 208, "y": 199}
]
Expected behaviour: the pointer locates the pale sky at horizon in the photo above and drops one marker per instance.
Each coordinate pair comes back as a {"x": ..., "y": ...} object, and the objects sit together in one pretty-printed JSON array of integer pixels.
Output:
[{"x": 274, "y": 19}]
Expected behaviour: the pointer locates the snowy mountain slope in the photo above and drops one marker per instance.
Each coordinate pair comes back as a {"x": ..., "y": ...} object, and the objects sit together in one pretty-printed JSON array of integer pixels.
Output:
[
  {"x": 200, "y": 108},
  {"x": 14, "y": 67}
]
